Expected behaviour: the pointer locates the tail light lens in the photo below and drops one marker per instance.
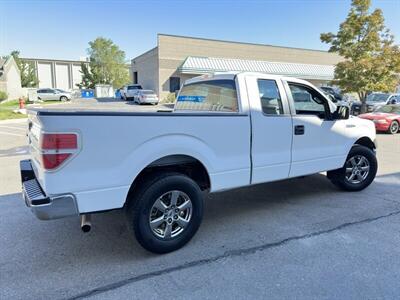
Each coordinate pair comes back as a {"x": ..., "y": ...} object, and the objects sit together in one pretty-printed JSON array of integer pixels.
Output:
[
  {"x": 52, "y": 161},
  {"x": 57, "y": 148},
  {"x": 57, "y": 141}
]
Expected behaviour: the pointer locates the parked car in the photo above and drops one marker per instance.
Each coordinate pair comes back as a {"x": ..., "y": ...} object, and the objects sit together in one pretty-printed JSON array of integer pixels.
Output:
[
  {"x": 227, "y": 130},
  {"x": 128, "y": 92},
  {"x": 337, "y": 96},
  {"x": 53, "y": 94},
  {"x": 146, "y": 96},
  {"x": 375, "y": 100},
  {"x": 386, "y": 118}
]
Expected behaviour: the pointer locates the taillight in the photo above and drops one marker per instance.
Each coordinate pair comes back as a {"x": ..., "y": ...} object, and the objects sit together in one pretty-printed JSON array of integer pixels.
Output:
[
  {"x": 56, "y": 141},
  {"x": 52, "y": 161},
  {"x": 57, "y": 148}
]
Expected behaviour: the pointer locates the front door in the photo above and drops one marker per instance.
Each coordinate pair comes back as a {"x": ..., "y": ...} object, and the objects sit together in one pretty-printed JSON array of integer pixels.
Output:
[
  {"x": 319, "y": 143},
  {"x": 271, "y": 128}
]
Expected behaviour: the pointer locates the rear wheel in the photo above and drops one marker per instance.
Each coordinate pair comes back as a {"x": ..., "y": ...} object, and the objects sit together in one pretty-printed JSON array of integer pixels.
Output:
[
  {"x": 63, "y": 98},
  {"x": 394, "y": 127},
  {"x": 358, "y": 171},
  {"x": 165, "y": 212}
]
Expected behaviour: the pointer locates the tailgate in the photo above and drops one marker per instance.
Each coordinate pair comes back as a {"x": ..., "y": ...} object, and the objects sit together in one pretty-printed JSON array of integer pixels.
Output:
[{"x": 34, "y": 132}]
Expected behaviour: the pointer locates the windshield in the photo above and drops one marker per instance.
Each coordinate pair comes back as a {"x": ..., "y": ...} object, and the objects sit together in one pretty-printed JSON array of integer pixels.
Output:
[
  {"x": 389, "y": 109},
  {"x": 378, "y": 97}
]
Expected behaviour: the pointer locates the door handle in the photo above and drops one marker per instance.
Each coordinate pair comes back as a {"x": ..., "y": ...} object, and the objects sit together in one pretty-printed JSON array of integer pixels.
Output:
[{"x": 299, "y": 129}]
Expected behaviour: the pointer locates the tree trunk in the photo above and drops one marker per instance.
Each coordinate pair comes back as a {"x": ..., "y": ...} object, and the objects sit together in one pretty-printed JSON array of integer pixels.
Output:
[{"x": 363, "y": 99}]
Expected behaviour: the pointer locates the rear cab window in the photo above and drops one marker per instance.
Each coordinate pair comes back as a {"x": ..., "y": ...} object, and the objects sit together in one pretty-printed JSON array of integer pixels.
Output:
[{"x": 211, "y": 95}]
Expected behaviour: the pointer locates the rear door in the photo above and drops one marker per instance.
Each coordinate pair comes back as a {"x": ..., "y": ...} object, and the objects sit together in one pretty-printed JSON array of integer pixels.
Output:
[{"x": 271, "y": 128}]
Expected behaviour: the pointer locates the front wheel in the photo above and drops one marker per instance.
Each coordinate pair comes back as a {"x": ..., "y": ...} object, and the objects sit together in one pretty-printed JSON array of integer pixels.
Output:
[
  {"x": 358, "y": 171},
  {"x": 165, "y": 212},
  {"x": 394, "y": 127}
]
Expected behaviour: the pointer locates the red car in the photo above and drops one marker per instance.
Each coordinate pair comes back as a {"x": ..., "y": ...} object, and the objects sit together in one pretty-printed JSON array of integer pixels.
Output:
[{"x": 385, "y": 118}]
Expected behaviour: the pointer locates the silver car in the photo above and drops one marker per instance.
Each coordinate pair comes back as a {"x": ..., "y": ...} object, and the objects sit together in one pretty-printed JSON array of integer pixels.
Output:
[
  {"x": 146, "y": 96},
  {"x": 53, "y": 94},
  {"x": 378, "y": 99}
]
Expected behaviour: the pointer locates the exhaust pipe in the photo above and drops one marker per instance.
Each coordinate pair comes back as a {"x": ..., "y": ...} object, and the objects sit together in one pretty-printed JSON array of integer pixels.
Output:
[{"x": 86, "y": 222}]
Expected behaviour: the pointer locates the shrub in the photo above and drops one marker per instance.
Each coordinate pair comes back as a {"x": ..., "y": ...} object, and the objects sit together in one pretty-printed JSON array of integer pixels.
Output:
[
  {"x": 3, "y": 95},
  {"x": 169, "y": 99}
]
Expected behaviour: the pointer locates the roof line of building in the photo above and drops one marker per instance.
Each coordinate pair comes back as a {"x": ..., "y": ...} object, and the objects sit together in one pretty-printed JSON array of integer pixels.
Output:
[
  {"x": 236, "y": 42},
  {"x": 54, "y": 60},
  {"x": 148, "y": 51}
]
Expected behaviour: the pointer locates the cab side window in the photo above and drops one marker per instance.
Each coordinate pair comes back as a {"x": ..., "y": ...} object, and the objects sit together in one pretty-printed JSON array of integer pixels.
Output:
[
  {"x": 308, "y": 101},
  {"x": 270, "y": 98}
]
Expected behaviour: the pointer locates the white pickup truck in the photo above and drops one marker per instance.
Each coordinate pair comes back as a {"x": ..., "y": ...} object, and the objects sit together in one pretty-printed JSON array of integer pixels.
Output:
[{"x": 226, "y": 131}]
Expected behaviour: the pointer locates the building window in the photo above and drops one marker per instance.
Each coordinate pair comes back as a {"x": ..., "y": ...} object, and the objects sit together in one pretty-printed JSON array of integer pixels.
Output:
[
  {"x": 174, "y": 84},
  {"x": 135, "y": 77}
]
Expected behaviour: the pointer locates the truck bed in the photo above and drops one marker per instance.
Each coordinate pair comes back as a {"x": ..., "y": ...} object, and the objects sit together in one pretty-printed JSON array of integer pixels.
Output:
[{"x": 117, "y": 145}]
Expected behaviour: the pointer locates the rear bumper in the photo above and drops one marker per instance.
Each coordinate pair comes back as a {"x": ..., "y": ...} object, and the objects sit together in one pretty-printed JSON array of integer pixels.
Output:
[{"x": 44, "y": 207}]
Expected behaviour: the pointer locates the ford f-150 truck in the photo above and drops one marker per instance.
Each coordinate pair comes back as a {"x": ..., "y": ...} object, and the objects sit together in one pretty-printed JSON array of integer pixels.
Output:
[{"x": 227, "y": 130}]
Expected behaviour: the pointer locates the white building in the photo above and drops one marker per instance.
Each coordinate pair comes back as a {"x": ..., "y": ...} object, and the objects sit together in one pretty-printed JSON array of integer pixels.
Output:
[
  {"x": 60, "y": 74},
  {"x": 10, "y": 78}
]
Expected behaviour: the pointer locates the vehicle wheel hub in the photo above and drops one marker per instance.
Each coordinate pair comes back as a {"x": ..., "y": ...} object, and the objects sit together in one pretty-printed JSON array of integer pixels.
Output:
[
  {"x": 357, "y": 169},
  {"x": 170, "y": 214}
]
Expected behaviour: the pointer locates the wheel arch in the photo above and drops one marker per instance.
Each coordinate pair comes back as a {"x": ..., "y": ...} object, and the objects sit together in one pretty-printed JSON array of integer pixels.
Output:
[
  {"x": 175, "y": 163},
  {"x": 366, "y": 142}
]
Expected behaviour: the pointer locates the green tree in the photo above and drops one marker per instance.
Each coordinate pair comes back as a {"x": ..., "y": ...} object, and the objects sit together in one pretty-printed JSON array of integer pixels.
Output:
[
  {"x": 88, "y": 79},
  {"x": 106, "y": 65},
  {"x": 27, "y": 70},
  {"x": 371, "y": 60}
]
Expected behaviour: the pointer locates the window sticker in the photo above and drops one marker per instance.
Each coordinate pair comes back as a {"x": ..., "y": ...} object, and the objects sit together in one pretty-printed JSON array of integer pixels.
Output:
[{"x": 191, "y": 98}]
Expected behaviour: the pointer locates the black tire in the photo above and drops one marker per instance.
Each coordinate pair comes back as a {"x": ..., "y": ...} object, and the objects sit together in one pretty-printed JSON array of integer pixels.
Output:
[
  {"x": 338, "y": 177},
  {"x": 63, "y": 98},
  {"x": 394, "y": 127},
  {"x": 140, "y": 207}
]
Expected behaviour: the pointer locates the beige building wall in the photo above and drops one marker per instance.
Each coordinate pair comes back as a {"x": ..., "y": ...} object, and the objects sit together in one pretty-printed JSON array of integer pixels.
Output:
[
  {"x": 156, "y": 66},
  {"x": 173, "y": 50},
  {"x": 146, "y": 66}
]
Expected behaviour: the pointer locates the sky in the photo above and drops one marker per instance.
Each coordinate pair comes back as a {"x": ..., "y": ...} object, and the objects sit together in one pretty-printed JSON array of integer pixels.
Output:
[{"x": 62, "y": 29}]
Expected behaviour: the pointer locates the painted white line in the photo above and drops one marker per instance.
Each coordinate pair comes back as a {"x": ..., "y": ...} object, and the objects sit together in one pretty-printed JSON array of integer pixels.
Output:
[
  {"x": 9, "y": 133},
  {"x": 10, "y": 127}
]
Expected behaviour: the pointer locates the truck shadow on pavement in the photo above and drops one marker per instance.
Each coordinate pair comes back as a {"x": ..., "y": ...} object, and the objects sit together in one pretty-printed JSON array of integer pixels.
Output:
[{"x": 236, "y": 219}]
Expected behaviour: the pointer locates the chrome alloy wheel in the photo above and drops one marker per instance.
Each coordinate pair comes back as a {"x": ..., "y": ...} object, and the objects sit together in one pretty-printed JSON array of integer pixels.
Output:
[
  {"x": 357, "y": 169},
  {"x": 170, "y": 214},
  {"x": 394, "y": 127}
]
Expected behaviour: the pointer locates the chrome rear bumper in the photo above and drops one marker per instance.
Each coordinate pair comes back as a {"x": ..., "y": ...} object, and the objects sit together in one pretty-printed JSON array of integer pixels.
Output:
[{"x": 43, "y": 206}]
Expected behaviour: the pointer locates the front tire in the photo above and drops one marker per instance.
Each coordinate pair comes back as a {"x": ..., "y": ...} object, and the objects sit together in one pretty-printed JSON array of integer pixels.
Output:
[
  {"x": 358, "y": 171},
  {"x": 394, "y": 127},
  {"x": 165, "y": 212}
]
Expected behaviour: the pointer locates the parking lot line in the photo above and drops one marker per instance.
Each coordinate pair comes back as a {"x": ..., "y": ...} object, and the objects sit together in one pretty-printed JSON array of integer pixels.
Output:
[
  {"x": 9, "y": 133},
  {"x": 11, "y": 127}
]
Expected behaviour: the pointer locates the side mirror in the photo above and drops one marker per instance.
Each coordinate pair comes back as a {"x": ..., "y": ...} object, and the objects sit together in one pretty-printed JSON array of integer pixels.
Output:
[
  {"x": 342, "y": 113},
  {"x": 332, "y": 98}
]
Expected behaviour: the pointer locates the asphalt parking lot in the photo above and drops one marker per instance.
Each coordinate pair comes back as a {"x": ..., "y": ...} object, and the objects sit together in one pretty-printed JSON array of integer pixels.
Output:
[{"x": 300, "y": 238}]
